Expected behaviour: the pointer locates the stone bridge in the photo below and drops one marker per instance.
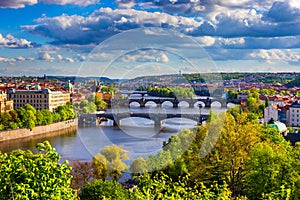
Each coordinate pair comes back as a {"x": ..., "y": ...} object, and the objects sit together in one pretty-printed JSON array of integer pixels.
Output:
[
  {"x": 156, "y": 117},
  {"x": 206, "y": 102}
]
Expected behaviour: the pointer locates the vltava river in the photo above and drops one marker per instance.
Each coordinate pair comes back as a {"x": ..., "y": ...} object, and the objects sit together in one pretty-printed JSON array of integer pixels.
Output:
[{"x": 136, "y": 135}]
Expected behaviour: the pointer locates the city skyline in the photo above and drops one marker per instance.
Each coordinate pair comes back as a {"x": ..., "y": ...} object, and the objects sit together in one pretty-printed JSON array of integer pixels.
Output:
[{"x": 62, "y": 37}]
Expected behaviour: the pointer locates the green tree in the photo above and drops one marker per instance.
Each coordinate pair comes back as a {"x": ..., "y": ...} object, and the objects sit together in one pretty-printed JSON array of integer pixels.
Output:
[
  {"x": 56, "y": 117},
  {"x": 99, "y": 189},
  {"x": 25, "y": 175},
  {"x": 111, "y": 157},
  {"x": 269, "y": 168},
  {"x": 162, "y": 186},
  {"x": 47, "y": 117},
  {"x": 267, "y": 102},
  {"x": 5, "y": 120},
  {"x": 138, "y": 167},
  {"x": 29, "y": 119},
  {"x": 39, "y": 117}
]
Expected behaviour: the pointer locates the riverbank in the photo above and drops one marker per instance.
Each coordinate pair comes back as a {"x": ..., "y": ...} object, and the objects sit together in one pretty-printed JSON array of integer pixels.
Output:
[{"x": 69, "y": 125}]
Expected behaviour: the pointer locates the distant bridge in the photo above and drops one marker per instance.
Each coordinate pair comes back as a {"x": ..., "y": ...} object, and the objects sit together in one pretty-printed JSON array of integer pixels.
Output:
[
  {"x": 143, "y": 99},
  {"x": 156, "y": 117}
]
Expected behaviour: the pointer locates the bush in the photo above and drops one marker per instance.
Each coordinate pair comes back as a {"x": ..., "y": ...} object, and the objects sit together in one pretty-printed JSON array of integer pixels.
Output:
[{"x": 99, "y": 189}]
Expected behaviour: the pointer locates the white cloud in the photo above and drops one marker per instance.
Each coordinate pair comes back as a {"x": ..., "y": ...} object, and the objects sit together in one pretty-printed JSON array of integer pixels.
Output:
[
  {"x": 146, "y": 56},
  {"x": 59, "y": 57},
  {"x": 11, "y": 42},
  {"x": 206, "y": 40},
  {"x": 66, "y": 59},
  {"x": 270, "y": 56},
  {"x": 23, "y": 3},
  {"x": 11, "y": 61},
  {"x": 16, "y": 3},
  {"x": 125, "y": 3},
  {"x": 81, "y": 57},
  {"x": 70, "y": 60},
  {"x": 46, "y": 56},
  {"x": 20, "y": 58},
  {"x": 74, "y": 2},
  {"x": 104, "y": 23}
]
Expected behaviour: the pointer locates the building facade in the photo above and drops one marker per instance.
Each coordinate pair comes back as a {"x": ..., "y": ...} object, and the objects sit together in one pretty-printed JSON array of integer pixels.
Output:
[
  {"x": 293, "y": 115},
  {"x": 39, "y": 99},
  {"x": 270, "y": 112},
  {"x": 5, "y": 105}
]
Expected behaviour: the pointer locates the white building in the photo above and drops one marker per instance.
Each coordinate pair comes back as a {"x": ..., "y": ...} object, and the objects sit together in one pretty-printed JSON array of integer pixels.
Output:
[
  {"x": 270, "y": 112},
  {"x": 39, "y": 99},
  {"x": 293, "y": 115}
]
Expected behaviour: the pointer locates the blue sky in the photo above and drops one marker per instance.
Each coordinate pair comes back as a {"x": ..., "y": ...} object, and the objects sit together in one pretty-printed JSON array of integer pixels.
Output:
[{"x": 115, "y": 38}]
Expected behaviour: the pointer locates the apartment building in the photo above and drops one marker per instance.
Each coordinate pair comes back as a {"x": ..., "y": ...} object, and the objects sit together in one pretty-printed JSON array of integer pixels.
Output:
[
  {"x": 40, "y": 99},
  {"x": 270, "y": 112},
  {"x": 293, "y": 115}
]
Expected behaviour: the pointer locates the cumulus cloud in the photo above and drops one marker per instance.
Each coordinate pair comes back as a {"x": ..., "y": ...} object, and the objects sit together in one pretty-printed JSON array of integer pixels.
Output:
[
  {"x": 270, "y": 56},
  {"x": 287, "y": 42},
  {"x": 125, "y": 3},
  {"x": 70, "y": 60},
  {"x": 23, "y": 3},
  {"x": 46, "y": 56},
  {"x": 15, "y": 43},
  {"x": 146, "y": 56},
  {"x": 284, "y": 11},
  {"x": 14, "y": 60},
  {"x": 81, "y": 57},
  {"x": 59, "y": 57},
  {"x": 104, "y": 23},
  {"x": 66, "y": 59},
  {"x": 74, "y": 2},
  {"x": 16, "y": 3}
]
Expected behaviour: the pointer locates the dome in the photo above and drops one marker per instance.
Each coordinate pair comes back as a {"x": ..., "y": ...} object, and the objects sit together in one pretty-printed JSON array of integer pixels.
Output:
[
  {"x": 37, "y": 87},
  {"x": 69, "y": 85}
]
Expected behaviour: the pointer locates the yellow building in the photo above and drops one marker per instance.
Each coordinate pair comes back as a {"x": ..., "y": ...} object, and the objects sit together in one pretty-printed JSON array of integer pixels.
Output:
[
  {"x": 39, "y": 99},
  {"x": 5, "y": 105}
]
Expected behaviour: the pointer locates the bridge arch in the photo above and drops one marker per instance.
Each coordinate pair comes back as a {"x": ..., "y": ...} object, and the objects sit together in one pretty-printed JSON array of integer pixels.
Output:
[
  {"x": 167, "y": 104},
  {"x": 216, "y": 104},
  {"x": 150, "y": 103},
  {"x": 196, "y": 104},
  {"x": 179, "y": 119},
  {"x": 134, "y": 104},
  {"x": 183, "y": 104}
]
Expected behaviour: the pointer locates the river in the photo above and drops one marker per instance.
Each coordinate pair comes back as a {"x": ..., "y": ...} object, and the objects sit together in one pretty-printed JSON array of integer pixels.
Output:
[{"x": 136, "y": 135}]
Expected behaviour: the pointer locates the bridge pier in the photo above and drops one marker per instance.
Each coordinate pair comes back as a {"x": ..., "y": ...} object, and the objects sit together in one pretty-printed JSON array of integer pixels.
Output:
[
  {"x": 142, "y": 104},
  {"x": 116, "y": 122},
  {"x": 157, "y": 124},
  {"x": 224, "y": 104}
]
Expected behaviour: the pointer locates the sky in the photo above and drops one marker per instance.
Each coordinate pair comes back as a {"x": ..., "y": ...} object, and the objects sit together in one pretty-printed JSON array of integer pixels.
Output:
[{"x": 128, "y": 38}]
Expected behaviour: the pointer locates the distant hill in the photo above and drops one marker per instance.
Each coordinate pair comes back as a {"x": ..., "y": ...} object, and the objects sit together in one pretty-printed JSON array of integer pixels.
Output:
[{"x": 294, "y": 83}]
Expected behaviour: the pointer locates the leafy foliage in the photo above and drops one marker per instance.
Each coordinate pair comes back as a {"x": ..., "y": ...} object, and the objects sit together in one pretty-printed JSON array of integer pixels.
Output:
[
  {"x": 161, "y": 186},
  {"x": 29, "y": 117},
  {"x": 109, "y": 162},
  {"x": 24, "y": 175},
  {"x": 99, "y": 189}
]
